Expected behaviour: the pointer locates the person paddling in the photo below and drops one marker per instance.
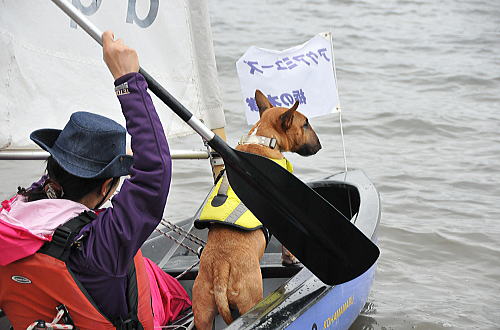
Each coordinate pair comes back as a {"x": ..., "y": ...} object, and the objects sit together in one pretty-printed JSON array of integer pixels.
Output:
[{"x": 60, "y": 253}]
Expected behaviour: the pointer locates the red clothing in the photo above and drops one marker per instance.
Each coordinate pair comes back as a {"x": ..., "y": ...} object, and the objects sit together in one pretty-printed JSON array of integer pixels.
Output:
[
  {"x": 32, "y": 288},
  {"x": 115, "y": 236}
]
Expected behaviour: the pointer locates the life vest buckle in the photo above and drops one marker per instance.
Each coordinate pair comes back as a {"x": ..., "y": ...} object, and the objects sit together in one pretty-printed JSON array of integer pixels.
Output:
[
  {"x": 66, "y": 318},
  {"x": 62, "y": 236},
  {"x": 62, "y": 316},
  {"x": 129, "y": 324},
  {"x": 40, "y": 324}
]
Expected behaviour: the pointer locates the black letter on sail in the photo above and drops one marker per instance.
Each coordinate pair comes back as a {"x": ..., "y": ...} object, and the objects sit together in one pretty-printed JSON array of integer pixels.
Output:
[
  {"x": 148, "y": 20},
  {"x": 86, "y": 10}
]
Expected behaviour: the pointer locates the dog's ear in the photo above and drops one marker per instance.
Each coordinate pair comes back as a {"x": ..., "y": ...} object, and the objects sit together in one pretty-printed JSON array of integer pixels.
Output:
[
  {"x": 287, "y": 117},
  {"x": 262, "y": 102}
]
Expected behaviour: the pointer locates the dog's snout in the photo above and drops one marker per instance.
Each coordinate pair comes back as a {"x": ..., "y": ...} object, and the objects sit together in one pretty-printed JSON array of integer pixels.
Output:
[
  {"x": 318, "y": 147},
  {"x": 309, "y": 149}
]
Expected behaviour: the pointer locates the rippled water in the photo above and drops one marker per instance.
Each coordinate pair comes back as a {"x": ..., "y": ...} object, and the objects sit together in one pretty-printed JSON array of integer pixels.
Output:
[{"x": 419, "y": 84}]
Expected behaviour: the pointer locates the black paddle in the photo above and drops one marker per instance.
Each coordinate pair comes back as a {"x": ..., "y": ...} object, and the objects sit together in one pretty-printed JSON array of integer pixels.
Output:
[{"x": 329, "y": 245}]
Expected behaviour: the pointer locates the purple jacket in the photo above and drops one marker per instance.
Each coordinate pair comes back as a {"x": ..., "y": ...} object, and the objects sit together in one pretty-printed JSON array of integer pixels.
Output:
[{"x": 118, "y": 232}]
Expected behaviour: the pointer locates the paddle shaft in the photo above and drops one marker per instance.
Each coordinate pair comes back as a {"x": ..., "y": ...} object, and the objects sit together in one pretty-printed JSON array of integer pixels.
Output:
[
  {"x": 226, "y": 152},
  {"x": 214, "y": 140},
  {"x": 153, "y": 85},
  {"x": 305, "y": 222}
]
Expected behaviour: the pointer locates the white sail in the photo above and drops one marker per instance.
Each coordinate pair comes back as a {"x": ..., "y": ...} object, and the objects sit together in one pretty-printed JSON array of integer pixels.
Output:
[{"x": 49, "y": 68}]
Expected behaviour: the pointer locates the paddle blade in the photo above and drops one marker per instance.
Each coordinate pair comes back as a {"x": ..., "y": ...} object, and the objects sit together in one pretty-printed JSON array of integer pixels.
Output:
[{"x": 329, "y": 245}]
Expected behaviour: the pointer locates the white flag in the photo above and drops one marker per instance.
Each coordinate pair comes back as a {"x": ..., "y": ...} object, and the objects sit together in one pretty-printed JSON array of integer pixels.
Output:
[
  {"x": 50, "y": 68},
  {"x": 304, "y": 73}
]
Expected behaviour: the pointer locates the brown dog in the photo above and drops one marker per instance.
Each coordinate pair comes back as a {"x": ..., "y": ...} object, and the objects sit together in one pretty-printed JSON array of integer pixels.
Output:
[{"x": 229, "y": 272}]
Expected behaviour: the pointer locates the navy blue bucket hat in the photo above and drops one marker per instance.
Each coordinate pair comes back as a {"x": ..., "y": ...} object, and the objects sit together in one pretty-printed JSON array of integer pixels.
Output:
[{"x": 89, "y": 146}]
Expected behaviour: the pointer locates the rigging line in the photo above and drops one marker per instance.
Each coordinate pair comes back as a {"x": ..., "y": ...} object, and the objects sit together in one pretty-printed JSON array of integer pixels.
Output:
[
  {"x": 177, "y": 241},
  {"x": 178, "y": 277},
  {"x": 186, "y": 234},
  {"x": 181, "y": 231},
  {"x": 172, "y": 250}
]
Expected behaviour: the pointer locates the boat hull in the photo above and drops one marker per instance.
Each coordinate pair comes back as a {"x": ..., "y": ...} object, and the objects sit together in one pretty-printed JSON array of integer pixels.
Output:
[
  {"x": 304, "y": 302},
  {"x": 294, "y": 297},
  {"x": 339, "y": 307}
]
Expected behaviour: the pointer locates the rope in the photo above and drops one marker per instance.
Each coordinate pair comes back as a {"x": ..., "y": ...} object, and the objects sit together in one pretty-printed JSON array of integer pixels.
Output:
[
  {"x": 181, "y": 231},
  {"x": 186, "y": 234},
  {"x": 177, "y": 241},
  {"x": 187, "y": 270}
]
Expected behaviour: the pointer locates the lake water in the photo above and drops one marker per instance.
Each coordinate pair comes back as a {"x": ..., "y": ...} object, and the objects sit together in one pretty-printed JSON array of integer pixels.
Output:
[{"x": 419, "y": 84}]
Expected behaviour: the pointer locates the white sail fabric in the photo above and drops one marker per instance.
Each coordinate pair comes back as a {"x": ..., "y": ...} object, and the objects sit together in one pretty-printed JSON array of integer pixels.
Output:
[{"x": 50, "y": 68}]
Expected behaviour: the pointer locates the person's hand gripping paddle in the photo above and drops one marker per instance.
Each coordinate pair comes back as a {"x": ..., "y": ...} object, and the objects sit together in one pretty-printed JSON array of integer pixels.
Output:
[{"x": 326, "y": 242}]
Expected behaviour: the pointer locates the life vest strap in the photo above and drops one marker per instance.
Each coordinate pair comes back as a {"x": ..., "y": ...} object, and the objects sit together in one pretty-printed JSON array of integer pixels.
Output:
[
  {"x": 64, "y": 236},
  {"x": 221, "y": 196},
  {"x": 132, "y": 323},
  {"x": 63, "y": 243}
]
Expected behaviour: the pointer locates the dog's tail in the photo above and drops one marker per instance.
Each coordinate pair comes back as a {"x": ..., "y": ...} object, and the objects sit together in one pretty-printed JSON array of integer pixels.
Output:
[{"x": 221, "y": 279}]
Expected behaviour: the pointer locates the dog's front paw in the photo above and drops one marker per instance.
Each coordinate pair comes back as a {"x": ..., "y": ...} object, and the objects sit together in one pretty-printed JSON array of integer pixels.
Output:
[{"x": 287, "y": 258}]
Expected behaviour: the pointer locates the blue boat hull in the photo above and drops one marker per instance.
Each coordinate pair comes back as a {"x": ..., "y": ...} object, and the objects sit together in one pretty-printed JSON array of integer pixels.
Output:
[
  {"x": 339, "y": 307},
  {"x": 304, "y": 302}
]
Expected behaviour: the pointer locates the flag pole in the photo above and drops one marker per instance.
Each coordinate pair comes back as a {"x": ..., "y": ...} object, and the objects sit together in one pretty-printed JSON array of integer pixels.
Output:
[{"x": 338, "y": 108}]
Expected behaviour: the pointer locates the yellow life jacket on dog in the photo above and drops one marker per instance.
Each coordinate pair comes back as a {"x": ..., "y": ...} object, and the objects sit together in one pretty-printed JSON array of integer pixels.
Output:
[{"x": 224, "y": 207}]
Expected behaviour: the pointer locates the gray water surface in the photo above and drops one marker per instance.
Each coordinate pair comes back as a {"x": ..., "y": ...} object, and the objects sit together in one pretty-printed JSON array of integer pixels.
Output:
[{"x": 419, "y": 84}]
